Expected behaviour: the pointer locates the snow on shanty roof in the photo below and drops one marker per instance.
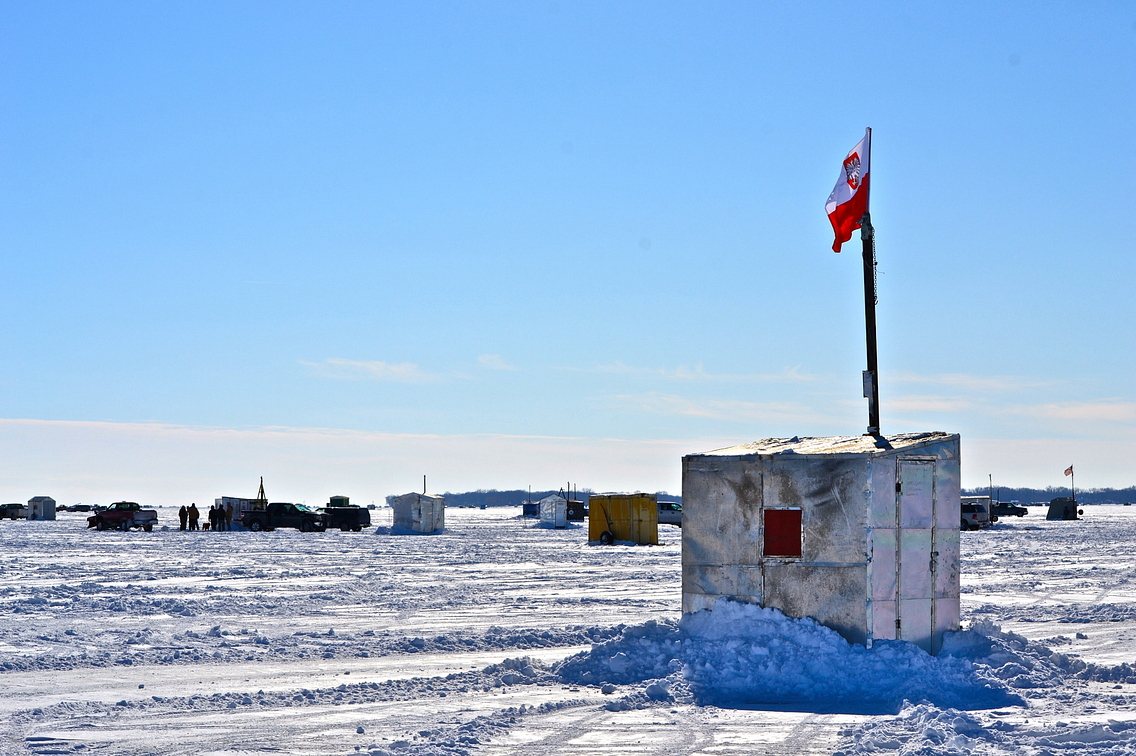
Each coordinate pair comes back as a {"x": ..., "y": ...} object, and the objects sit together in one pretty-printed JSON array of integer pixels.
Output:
[{"x": 830, "y": 445}]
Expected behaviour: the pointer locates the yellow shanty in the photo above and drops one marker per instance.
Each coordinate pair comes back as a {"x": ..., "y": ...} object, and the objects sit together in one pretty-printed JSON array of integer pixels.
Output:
[{"x": 623, "y": 517}]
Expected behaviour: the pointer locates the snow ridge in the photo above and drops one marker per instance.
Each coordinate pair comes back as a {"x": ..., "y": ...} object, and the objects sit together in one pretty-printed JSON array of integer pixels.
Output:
[{"x": 742, "y": 654}]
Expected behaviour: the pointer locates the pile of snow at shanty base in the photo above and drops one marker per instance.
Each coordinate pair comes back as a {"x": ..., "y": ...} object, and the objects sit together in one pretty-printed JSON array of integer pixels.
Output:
[
  {"x": 492, "y": 639},
  {"x": 741, "y": 655}
]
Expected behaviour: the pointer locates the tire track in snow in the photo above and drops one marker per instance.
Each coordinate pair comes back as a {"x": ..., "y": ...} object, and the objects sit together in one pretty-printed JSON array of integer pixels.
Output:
[{"x": 813, "y": 734}]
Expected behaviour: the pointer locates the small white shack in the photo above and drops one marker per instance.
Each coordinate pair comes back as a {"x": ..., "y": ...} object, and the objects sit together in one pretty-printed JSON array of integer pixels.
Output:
[
  {"x": 41, "y": 508},
  {"x": 239, "y": 505},
  {"x": 420, "y": 512},
  {"x": 554, "y": 511},
  {"x": 859, "y": 534}
]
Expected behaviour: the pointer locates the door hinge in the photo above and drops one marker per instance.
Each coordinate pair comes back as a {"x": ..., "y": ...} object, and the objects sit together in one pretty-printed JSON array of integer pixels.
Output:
[
  {"x": 898, "y": 487},
  {"x": 897, "y": 624}
]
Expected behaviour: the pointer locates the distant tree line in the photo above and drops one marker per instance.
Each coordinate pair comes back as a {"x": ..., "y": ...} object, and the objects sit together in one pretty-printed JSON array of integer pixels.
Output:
[
  {"x": 1034, "y": 495},
  {"x": 517, "y": 497}
]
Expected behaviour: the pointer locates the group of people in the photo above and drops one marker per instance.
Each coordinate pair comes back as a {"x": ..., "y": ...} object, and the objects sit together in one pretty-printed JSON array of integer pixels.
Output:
[{"x": 220, "y": 517}]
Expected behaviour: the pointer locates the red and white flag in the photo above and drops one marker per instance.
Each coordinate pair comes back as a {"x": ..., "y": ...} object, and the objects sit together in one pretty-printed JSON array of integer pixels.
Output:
[
  {"x": 849, "y": 200},
  {"x": 1069, "y": 471}
]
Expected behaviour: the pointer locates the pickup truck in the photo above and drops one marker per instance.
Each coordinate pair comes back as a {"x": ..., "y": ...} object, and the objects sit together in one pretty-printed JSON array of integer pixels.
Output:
[
  {"x": 1007, "y": 508},
  {"x": 123, "y": 515},
  {"x": 345, "y": 518},
  {"x": 13, "y": 511},
  {"x": 670, "y": 513},
  {"x": 283, "y": 515}
]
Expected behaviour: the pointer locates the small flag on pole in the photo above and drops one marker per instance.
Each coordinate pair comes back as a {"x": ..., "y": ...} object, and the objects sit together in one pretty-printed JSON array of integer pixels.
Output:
[
  {"x": 849, "y": 199},
  {"x": 1069, "y": 470}
]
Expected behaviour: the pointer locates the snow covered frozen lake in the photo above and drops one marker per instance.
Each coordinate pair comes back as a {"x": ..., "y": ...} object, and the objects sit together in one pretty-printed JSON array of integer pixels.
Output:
[{"x": 499, "y": 638}]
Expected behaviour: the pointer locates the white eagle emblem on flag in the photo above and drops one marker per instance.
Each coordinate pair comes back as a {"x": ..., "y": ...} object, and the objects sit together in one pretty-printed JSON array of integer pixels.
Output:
[{"x": 852, "y": 170}]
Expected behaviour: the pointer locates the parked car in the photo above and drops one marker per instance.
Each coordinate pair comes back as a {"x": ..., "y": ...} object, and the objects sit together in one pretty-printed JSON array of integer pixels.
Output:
[
  {"x": 14, "y": 511},
  {"x": 974, "y": 516},
  {"x": 283, "y": 515},
  {"x": 670, "y": 513},
  {"x": 987, "y": 505},
  {"x": 1008, "y": 508},
  {"x": 349, "y": 517},
  {"x": 123, "y": 515}
]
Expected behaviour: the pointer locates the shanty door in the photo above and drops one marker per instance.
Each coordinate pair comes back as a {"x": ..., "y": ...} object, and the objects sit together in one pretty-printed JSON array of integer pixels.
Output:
[{"x": 915, "y": 504}]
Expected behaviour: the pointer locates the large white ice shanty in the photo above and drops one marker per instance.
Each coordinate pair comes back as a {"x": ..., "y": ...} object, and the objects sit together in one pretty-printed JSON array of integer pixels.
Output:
[
  {"x": 554, "y": 511},
  {"x": 420, "y": 512},
  {"x": 41, "y": 508},
  {"x": 859, "y": 532}
]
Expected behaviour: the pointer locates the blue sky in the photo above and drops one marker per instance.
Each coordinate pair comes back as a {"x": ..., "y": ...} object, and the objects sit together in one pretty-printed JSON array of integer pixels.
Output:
[{"x": 535, "y": 231}]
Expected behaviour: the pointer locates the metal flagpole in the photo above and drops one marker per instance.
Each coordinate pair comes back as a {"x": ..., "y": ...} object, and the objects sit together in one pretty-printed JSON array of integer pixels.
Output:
[{"x": 871, "y": 375}]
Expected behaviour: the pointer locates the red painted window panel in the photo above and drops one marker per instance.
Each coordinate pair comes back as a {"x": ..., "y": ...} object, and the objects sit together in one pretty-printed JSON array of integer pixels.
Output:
[{"x": 782, "y": 532}]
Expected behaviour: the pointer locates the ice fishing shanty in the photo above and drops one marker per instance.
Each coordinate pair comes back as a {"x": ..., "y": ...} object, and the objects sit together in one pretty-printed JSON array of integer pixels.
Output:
[
  {"x": 554, "y": 511},
  {"x": 41, "y": 508},
  {"x": 420, "y": 512},
  {"x": 1063, "y": 508},
  {"x": 858, "y": 532},
  {"x": 623, "y": 517}
]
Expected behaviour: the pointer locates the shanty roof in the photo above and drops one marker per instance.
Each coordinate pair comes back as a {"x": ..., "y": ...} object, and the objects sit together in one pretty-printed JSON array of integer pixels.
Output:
[
  {"x": 421, "y": 495},
  {"x": 854, "y": 445}
]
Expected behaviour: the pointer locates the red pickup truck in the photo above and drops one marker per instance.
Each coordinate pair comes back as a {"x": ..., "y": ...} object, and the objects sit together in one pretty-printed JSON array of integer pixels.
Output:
[{"x": 123, "y": 515}]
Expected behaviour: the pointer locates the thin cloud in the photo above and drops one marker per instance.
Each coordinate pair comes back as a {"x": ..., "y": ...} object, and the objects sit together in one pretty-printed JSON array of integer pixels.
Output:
[
  {"x": 698, "y": 373},
  {"x": 1107, "y": 411},
  {"x": 172, "y": 464},
  {"x": 987, "y": 383},
  {"x": 656, "y": 403},
  {"x": 911, "y": 404},
  {"x": 340, "y": 369},
  {"x": 494, "y": 362}
]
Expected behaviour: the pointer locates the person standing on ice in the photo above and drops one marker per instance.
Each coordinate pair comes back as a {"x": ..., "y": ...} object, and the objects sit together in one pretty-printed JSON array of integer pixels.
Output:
[
  {"x": 229, "y": 516},
  {"x": 193, "y": 516},
  {"x": 183, "y": 515}
]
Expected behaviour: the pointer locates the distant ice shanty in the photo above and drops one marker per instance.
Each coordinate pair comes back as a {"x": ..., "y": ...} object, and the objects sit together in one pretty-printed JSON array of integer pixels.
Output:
[
  {"x": 576, "y": 510},
  {"x": 859, "y": 534},
  {"x": 623, "y": 517},
  {"x": 554, "y": 511},
  {"x": 420, "y": 512},
  {"x": 41, "y": 508},
  {"x": 1063, "y": 508}
]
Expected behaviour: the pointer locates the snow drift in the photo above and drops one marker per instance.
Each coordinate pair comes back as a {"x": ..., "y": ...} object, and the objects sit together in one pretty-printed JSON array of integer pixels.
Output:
[{"x": 745, "y": 655}]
